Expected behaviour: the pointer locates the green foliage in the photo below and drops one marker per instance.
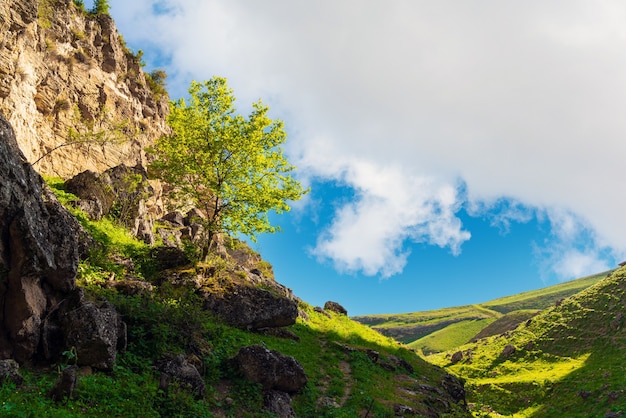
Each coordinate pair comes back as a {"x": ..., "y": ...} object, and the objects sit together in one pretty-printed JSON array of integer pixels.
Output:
[
  {"x": 80, "y": 4},
  {"x": 45, "y": 13},
  {"x": 156, "y": 81},
  {"x": 230, "y": 167},
  {"x": 100, "y": 7}
]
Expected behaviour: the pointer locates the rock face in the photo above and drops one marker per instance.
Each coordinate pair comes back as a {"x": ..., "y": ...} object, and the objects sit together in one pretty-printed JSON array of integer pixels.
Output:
[
  {"x": 252, "y": 307},
  {"x": 271, "y": 369},
  {"x": 39, "y": 244},
  {"x": 66, "y": 77},
  {"x": 123, "y": 192},
  {"x": 38, "y": 250}
]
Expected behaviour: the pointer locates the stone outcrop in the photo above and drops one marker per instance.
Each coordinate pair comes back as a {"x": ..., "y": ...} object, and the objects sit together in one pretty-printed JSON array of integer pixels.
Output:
[
  {"x": 184, "y": 372},
  {"x": 39, "y": 242},
  {"x": 335, "y": 307},
  {"x": 252, "y": 307},
  {"x": 271, "y": 369},
  {"x": 10, "y": 372},
  {"x": 76, "y": 96},
  {"x": 278, "y": 403},
  {"x": 123, "y": 192},
  {"x": 38, "y": 250}
]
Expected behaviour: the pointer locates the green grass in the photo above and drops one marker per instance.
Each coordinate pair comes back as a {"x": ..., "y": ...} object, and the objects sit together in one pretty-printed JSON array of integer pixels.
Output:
[
  {"x": 543, "y": 298},
  {"x": 437, "y": 330},
  {"x": 576, "y": 347},
  {"x": 171, "y": 320},
  {"x": 450, "y": 337}
]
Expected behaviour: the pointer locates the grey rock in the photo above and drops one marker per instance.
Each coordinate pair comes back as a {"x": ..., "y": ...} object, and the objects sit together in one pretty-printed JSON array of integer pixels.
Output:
[
  {"x": 271, "y": 369},
  {"x": 9, "y": 372},
  {"x": 252, "y": 307},
  {"x": 335, "y": 307},
  {"x": 278, "y": 403},
  {"x": 38, "y": 250},
  {"x": 183, "y": 371}
]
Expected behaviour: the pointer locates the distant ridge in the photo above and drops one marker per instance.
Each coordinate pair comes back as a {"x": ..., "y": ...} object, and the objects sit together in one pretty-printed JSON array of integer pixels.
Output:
[{"x": 444, "y": 329}]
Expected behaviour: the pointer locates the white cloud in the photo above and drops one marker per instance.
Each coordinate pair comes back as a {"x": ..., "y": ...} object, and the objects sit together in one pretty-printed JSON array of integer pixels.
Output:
[
  {"x": 390, "y": 207},
  {"x": 523, "y": 101}
]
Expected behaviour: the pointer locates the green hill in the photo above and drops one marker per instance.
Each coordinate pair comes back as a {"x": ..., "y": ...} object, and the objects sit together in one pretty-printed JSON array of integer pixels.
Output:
[
  {"x": 444, "y": 329},
  {"x": 569, "y": 360}
]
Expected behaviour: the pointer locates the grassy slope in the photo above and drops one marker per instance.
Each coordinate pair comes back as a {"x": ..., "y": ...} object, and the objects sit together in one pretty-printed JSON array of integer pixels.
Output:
[
  {"x": 570, "y": 360},
  {"x": 171, "y": 320},
  {"x": 445, "y": 329}
]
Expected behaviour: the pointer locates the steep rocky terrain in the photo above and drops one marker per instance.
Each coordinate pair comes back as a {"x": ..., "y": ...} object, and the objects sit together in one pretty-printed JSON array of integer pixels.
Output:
[{"x": 67, "y": 77}]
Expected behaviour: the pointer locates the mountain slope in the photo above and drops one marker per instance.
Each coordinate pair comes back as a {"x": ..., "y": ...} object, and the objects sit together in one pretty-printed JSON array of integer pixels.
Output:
[
  {"x": 569, "y": 360},
  {"x": 443, "y": 329}
]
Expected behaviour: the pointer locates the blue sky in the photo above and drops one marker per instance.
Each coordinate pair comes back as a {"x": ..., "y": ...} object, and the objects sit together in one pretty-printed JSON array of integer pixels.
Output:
[{"x": 456, "y": 151}]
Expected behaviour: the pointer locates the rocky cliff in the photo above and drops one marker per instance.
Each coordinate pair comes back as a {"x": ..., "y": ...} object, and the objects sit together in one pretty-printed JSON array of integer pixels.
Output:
[{"x": 75, "y": 95}]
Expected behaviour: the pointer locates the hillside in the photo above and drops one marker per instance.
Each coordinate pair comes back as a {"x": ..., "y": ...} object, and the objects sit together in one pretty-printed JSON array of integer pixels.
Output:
[
  {"x": 567, "y": 361},
  {"x": 443, "y": 329},
  {"x": 110, "y": 305}
]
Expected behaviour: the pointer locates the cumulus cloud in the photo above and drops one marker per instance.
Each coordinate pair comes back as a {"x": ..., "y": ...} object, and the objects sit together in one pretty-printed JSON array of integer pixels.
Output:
[
  {"x": 390, "y": 206},
  {"x": 516, "y": 102}
]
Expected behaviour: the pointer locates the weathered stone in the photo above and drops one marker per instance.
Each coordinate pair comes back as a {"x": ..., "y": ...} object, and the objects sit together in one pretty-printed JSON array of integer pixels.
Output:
[
  {"x": 54, "y": 70},
  {"x": 335, "y": 307},
  {"x": 455, "y": 388},
  {"x": 65, "y": 385},
  {"x": 9, "y": 372},
  {"x": 508, "y": 351},
  {"x": 131, "y": 287},
  {"x": 278, "y": 403},
  {"x": 175, "y": 218},
  {"x": 95, "y": 191},
  {"x": 456, "y": 357},
  {"x": 403, "y": 410},
  {"x": 252, "y": 307},
  {"x": 168, "y": 257},
  {"x": 271, "y": 369},
  {"x": 93, "y": 330},
  {"x": 96, "y": 332},
  {"x": 400, "y": 363},
  {"x": 183, "y": 371},
  {"x": 320, "y": 310},
  {"x": 38, "y": 250}
]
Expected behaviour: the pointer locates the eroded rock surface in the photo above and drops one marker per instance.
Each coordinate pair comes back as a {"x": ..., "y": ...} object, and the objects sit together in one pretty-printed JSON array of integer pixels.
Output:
[
  {"x": 42, "y": 311},
  {"x": 271, "y": 369},
  {"x": 75, "y": 95}
]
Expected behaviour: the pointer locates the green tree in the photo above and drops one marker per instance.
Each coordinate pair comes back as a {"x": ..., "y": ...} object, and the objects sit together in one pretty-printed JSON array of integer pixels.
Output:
[
  {"x": 230, "y": 167},
  {"x": 100, "y": 7}
]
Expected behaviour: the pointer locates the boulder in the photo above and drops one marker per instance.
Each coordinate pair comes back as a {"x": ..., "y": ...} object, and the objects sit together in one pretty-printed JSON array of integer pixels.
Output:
[
  {"x": 120, "y": 191},
  {"x": 38, "y": 251},
  {"x": 65, "y": 385},
  {"x": 9, "y": 372},
  {"x": 95, "y": 331},
  {"x": 335, "y": 307},
  {"x": 252, "y": 307},
  {"x": 278, "y": 403},
  {"x": 508, "y": 351},
  {"x": 456, "y": 357},
  {"x": 175, "y": 218},
  {"x": 184, "y": 372},
  {"x": 271, "y": 369}
]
